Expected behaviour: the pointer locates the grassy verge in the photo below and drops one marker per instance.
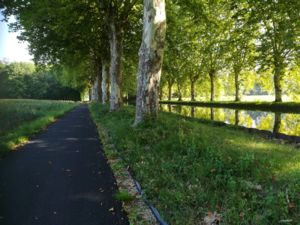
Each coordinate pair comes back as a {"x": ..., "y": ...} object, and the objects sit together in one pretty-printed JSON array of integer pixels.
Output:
[
  {"x": 284, "y": 107},
  {"x": 20, "y": 119},
  {"x": 137, "y": 211},
  {"x": 191, "y": 170}
]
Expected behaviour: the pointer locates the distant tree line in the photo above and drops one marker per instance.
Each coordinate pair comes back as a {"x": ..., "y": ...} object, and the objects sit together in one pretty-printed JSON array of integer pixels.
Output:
[{"x": 23, "y": 80}]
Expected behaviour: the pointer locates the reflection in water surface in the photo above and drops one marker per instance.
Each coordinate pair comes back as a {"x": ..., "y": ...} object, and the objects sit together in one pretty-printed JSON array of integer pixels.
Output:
[{"x": 283, "y": 123}]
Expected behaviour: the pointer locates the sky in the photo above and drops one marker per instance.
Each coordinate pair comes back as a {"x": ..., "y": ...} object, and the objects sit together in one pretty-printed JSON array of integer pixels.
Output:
[{"x": 11, "y": 49}]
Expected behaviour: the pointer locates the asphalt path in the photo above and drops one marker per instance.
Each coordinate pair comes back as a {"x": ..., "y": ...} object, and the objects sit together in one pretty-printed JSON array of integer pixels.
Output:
[{"x": 61, "y": 177}]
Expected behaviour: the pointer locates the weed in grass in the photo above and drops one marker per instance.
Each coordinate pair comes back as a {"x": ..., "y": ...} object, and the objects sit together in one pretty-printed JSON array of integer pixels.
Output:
[{"x": 124, "y": 196}]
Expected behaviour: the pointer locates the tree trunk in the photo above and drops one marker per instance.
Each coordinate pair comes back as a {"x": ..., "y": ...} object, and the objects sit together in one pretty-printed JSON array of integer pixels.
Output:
[
  {"x": 277, "y": 84},
  {"x": 104, "y": 82},
  {"x": 99, "y": 82},
  {"x": 150, "y": 59},
  {"x": 90, "y": 94},
  {"x": 237, "y": 85},
  {"x": 160, "y": 93},
  {"x": 94, "y": 90},
  {"x": 193, "y": 90},
  {"x": 116, "y": 51},
  {"x": 179, "y": 92},
  {"x": 170, "y": 85},
  {"x": 212, "y": 85}
]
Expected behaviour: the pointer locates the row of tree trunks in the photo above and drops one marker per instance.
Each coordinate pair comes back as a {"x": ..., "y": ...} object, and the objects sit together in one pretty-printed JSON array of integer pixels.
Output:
[
  {"x": 100, "y": 88},
  {"x": 150, "y": 59}
]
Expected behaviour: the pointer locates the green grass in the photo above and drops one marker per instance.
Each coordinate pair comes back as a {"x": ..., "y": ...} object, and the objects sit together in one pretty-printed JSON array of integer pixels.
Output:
[
  {"x": 124, "y": 196},
  {"x": 20, "y": 119},
  {"x": 189, "y": 169},
  {"x": 284, "y": 107}
]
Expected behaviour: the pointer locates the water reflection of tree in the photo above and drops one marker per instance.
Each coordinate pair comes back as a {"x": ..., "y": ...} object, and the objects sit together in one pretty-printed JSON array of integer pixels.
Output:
[
  {"x": 193, "y": 112},
  {"x": 266, "y": 122},
  {"x": 202, "y": 112},
  {"x": 219, "y": 114},
  {"x": 177, "y": 109},
  {"x": 212, "y": 114},
  {"x": 277, "y": 123},
  {"x": 244, "y": 119},
  {"x": 229, "y": 116},
  {"x": 237, "y": 119},
  {"x": 290, "y": 124}
]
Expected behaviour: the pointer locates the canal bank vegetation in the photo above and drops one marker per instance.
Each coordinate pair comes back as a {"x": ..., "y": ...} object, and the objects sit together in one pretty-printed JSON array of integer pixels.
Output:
[
  {"x": 20, "y": 119},
  {"x": 193, "y": 171},
  {"x": 283, "y": 107}
]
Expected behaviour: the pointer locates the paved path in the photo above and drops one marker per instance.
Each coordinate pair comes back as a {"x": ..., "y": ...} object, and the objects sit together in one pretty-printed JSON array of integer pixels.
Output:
[{"x": 60, "y": 178}]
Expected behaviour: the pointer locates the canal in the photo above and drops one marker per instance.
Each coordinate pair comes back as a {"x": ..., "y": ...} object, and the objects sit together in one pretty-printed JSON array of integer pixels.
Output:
[{"x": 277, "y": 123}]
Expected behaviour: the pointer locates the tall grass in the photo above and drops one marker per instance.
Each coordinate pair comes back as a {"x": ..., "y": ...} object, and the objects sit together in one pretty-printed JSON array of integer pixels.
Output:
[
  {"x": 20, "y": 118},
  {"x": 191, "y": 170}
]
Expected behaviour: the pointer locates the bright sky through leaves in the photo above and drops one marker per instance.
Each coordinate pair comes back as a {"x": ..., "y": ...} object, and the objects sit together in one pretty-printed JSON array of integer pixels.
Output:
[{"x": 11, "y": 49}]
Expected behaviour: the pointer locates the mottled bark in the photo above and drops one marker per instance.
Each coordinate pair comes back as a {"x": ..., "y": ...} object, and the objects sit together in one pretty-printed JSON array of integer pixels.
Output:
[
  {"x": 104, "y": 82},
  {"x": 99, "y": 86},
  {"x": 94, "y": 88},
  {"x": 212, "y": 85},
  {"x": 116, "y": 51},
  {"x": 150, "y": 59}
]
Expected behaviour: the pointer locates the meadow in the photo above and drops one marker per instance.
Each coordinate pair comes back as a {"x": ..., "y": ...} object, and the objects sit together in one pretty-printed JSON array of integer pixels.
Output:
[{"x": 21, "y": 118}]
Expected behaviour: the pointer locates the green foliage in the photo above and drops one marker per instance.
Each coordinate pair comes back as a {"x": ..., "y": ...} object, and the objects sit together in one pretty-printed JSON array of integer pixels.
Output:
[
  {"x": 190, "y": 169},
  {"x": 208, "y": 43},
  {"x": 20, "y": 119},
  {"x": 22, "y": 80}
]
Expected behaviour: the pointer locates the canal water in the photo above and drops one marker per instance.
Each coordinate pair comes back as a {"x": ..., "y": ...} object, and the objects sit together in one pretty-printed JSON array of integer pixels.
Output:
[{"x": 283, "y": 123}]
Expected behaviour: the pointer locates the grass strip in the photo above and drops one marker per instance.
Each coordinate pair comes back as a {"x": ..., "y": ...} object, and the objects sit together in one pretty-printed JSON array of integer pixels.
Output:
[
  {"x": 194, "y": 172},
  {"x": 19, "y": 134},
  {"x": 137, "y": 211},
  {"x": 284, "y": 107}
]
